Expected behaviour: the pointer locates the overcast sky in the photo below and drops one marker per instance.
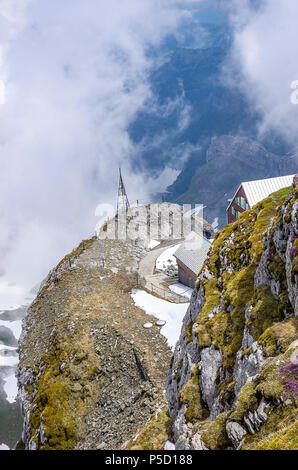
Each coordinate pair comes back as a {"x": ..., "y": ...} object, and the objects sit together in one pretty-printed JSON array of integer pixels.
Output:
[
  {"x": 75, "y": 74},
  {"x": 265, "y": 60}
]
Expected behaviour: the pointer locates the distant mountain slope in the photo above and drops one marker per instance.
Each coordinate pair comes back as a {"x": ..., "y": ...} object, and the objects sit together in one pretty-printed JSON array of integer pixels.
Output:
[
  {"x": 229, "y": 160},
  {"x": 192, "y": 104}
]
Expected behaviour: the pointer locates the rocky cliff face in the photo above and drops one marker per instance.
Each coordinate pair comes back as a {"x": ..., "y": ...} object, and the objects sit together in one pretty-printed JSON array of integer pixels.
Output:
[
  {"x": 233, "y": 378},
  {"x": 232, "y": 381},
  {"x": 90, "y": 375}
]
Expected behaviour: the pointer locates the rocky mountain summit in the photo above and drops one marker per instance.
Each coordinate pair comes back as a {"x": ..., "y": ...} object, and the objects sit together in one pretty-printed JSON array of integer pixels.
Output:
[
  {"x": 233, "y": 379},
  {"x": 90, "y": 375}
]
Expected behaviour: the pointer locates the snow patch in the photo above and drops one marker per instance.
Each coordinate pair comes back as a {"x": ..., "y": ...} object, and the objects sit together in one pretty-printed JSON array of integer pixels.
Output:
[
  {"x": 166, "y": 259},
  {"x": 180, "y": 289},
  {"x": 4, "y": 447},
  {"x": 153, "y": 244},
  {"x": 171, "y": 313},
  {"x": 11, "y": 388}
]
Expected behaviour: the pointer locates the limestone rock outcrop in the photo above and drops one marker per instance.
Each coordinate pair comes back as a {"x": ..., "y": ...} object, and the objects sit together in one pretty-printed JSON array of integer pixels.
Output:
[{"x": 233, "y": 377}]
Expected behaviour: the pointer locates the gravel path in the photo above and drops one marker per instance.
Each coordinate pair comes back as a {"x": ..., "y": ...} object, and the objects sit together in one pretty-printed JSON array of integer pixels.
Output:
[{"x": 158, "y": 283}]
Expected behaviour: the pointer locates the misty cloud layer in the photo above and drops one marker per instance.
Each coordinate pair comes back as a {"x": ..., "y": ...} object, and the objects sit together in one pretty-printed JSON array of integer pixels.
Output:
[
  {"x": 264, "y": 60},
  {"x": 75, "y": 74}
]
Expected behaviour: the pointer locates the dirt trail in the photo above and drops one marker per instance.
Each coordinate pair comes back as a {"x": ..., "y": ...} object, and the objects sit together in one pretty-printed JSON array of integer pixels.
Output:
[{"x": 157, "y": 282}]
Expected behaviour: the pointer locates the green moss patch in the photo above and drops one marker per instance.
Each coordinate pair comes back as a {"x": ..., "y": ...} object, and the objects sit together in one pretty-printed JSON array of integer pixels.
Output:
[
  {"x": 154, "y": 435},
  {"x": 240, "y": 245},
  {"x": 277, "y": 339},
  {"x": 188, "y": 331},
  {"x": 214, "y": 433},
  {"x": 278, "y": 433},
  {"x": 191, "y": 396},
  {"x": 285, "y": 439},
  {"x": 247, "y": 401},
  {"x": 265, "y": 311}
]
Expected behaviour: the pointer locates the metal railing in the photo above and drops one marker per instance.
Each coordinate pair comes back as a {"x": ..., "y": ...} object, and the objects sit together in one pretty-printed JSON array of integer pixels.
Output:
[{"x": 162, "y": 292}]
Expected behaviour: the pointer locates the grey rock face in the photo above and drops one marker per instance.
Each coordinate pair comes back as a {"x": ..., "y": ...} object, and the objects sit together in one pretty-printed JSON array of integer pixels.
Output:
[
  {"x": 32, "y": 445},
  {"x": 169, "y": 446},
  {"x": 285, "y": 233},
  {"x": 292, "y": 230},
  {"x": 243, "y": 149},
  {"x": 254, "y": 420},
  {"x": 252, "y": 423},
  {"x": 250, "y": 357},
  {"x": 184, "y": 436},
  {"x": 25, "y": 378},
  {"x": 180, "y": 427},
  {"x": 182, "y": 431},
  {"x": 247, "y": 366},
  {"x": 187, "y": 352},
  {"x": 211, "y": 360},
  {"x": 197, "y": 443},
  {"x": 42, "y": 436},
  {"x": 235, "y": 432},
  {"x": 263, "y": 276}
]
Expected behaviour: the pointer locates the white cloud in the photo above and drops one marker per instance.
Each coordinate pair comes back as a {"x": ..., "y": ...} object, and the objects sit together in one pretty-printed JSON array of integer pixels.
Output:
[
  {"x": 75, "y": 74},
  {"x": 264, "y": 61}
]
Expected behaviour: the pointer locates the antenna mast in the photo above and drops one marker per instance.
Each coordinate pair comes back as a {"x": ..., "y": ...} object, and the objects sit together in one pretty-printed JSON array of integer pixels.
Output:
[{"x": 122, "y": 202}]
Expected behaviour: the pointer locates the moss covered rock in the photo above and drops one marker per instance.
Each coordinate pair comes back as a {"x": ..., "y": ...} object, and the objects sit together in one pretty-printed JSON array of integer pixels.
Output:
[{"x": 245, "y": 303}]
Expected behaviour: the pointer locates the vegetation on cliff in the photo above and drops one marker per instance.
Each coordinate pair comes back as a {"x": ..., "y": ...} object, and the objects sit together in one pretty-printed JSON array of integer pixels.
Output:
[
  {"x": 233, "y": 378},
  {"x": 235, "y": 256},
  {"x": 245, "y": 302},
  {"x": 154, "y": 435}
]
